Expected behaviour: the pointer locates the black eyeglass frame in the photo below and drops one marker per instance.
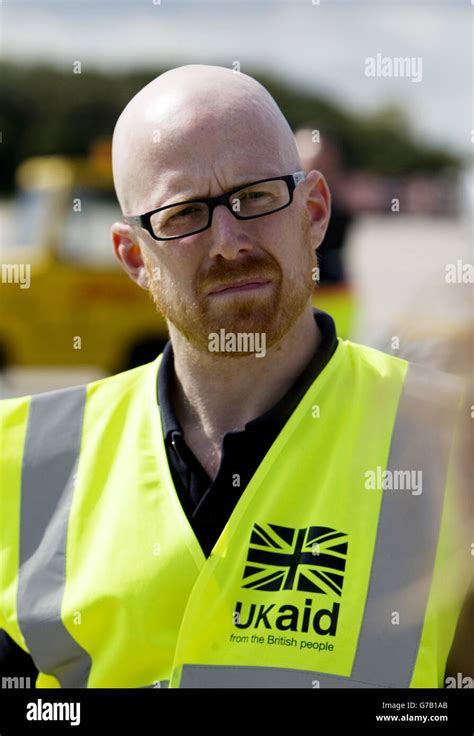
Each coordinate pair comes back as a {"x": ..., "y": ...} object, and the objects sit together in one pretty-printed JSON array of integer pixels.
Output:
[{"x": 144, "y": 221}]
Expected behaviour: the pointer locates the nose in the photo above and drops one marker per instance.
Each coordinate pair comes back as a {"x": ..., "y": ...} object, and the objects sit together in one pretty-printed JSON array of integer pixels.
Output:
[{"x": 229, "y": 236}]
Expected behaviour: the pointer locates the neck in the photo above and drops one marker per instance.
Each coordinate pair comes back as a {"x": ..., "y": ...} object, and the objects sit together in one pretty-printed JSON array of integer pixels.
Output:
[{"x": 214, "y": 395}]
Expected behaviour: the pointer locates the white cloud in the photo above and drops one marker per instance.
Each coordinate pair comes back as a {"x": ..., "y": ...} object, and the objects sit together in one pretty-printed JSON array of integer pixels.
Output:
[{"x": 321, "y": 48}]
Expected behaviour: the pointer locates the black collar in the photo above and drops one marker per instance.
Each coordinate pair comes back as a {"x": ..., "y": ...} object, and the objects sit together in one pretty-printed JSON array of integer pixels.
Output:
[{"x": 282, "y": 410}]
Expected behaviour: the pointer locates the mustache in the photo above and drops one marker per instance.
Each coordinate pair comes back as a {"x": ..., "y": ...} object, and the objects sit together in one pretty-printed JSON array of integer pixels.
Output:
[{"x": 221, "y": 276}]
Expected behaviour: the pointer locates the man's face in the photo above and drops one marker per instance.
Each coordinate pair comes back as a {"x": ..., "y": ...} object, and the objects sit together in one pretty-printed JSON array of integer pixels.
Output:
[{"x": 185, "y": 274}]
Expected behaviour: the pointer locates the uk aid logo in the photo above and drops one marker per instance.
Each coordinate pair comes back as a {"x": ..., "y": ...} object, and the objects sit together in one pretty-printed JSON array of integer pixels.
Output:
[{"x": 309, "y": 560}]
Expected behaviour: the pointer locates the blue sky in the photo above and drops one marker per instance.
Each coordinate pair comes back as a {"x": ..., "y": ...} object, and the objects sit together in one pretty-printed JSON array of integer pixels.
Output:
[{"x": 321, "y": 48}]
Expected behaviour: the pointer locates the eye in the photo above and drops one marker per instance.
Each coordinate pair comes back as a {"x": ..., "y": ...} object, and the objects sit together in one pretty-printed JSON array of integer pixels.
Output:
[
  {"x": 186, "y": 211},
  {"x": 253, "y": 195}
]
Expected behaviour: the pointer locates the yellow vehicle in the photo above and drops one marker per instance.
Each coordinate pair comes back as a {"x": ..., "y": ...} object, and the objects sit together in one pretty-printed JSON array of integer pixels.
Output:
[{"x": 64, "y": 299}]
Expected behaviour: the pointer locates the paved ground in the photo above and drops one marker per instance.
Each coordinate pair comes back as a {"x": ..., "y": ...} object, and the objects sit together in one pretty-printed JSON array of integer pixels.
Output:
[{"x": 399, "y": 267}]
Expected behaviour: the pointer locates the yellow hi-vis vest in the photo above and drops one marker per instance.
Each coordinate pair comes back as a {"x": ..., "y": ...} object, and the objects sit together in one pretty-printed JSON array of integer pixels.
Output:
[{"x": 334, "y": 569}]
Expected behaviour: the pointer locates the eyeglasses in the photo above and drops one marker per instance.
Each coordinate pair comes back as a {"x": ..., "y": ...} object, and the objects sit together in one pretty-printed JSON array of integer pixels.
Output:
[{"x": 257, "y": 199}]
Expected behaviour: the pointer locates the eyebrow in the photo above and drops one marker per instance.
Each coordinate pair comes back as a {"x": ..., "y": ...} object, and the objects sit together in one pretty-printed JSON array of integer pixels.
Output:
[{"x": 197, "y": 197}]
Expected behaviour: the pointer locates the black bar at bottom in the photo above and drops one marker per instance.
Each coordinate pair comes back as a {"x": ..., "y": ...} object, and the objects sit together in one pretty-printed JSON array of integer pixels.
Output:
[{"x": 313, "y": 712}]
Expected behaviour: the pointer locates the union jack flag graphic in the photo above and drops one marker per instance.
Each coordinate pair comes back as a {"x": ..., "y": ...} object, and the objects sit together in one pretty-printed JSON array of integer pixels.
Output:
[{"x": 283, "y": 558}]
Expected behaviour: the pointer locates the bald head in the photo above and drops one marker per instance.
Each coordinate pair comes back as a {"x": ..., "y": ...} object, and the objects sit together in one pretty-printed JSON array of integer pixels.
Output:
[{"x": 197, "y": 128}]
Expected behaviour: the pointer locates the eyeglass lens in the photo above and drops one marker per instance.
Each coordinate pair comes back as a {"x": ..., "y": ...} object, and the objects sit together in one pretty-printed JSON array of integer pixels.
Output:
[{"x": 252, "y": 201}]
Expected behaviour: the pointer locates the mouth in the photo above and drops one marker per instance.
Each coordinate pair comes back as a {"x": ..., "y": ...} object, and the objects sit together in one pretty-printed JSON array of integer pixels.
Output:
[{"x": 241, "y": 286}]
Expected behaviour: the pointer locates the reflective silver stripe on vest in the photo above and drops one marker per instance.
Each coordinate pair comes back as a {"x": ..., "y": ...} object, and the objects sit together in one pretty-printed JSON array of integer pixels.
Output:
[
  {"x": 220, "y": 676},
  {"x": 52, "y": 446},
  {"x": 404, "y": 554},
  {"x": 408, "y": 531}
]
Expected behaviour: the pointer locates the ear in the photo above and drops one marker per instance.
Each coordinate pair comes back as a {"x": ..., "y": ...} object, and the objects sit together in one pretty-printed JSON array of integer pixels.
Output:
[
  {"x": 318, "y": 204},
  {"x": 128, "y": 253}
]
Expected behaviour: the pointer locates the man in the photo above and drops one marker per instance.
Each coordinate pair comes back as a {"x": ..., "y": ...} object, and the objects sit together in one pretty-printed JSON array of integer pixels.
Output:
[
  {"x": 335, "y": 294},
  {"x": 215, "y": 518},
  {"x": 326, "y": 156}
]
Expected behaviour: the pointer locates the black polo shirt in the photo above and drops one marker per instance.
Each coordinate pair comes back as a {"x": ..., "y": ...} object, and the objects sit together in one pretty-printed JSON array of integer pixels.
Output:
[{"x": 208, "y": 504}]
